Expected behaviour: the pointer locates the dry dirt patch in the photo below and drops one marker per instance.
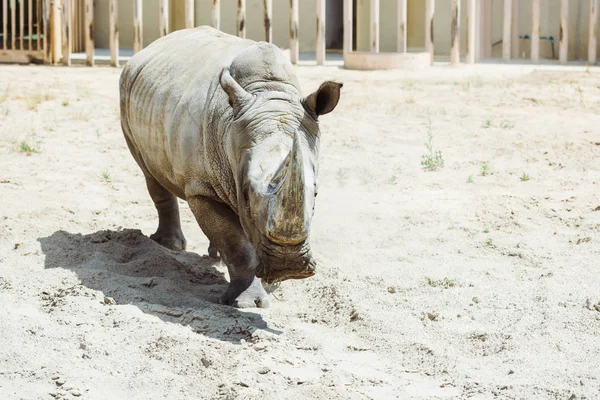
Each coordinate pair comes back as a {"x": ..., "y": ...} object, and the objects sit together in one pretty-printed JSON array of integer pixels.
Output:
[{"x": 474, "y": 279}]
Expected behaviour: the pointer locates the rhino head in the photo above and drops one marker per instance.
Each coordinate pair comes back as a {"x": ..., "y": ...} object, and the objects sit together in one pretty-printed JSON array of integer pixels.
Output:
[{"x": 274, "y": 139}]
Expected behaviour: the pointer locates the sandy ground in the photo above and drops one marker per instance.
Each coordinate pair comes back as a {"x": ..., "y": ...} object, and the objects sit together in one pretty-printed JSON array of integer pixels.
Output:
[{"x": 432, "y": 284}]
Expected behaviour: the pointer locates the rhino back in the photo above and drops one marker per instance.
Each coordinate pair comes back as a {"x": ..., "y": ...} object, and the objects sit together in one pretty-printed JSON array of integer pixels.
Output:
[{"x": 165, "y": 92}]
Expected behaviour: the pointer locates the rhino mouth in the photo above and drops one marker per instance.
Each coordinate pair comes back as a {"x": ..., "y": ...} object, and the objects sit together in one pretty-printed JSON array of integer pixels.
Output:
[{"x": 278, "y": 263}]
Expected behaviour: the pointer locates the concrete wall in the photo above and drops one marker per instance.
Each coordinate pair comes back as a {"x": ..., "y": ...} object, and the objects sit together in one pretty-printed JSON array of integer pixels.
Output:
[{"x": 549, "y": 26}]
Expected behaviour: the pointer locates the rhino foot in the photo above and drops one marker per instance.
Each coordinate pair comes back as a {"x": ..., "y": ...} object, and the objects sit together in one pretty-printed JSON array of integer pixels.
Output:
[
  {"x": 212, "y": 251},
  {"x": 241, "y": 295},
  {"x": 171, "y": 240}
]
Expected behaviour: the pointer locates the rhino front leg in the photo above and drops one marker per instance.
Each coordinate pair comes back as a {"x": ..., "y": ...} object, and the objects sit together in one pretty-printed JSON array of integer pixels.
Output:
[
  {"x": 222, "y": 227},
  {"x": 169, "y": 232}
]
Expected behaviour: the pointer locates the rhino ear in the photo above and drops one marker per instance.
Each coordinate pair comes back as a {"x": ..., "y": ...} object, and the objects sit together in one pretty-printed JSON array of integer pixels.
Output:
[
  {"x": 236, "y": 94},
  {"x": 325, "y": 99}
]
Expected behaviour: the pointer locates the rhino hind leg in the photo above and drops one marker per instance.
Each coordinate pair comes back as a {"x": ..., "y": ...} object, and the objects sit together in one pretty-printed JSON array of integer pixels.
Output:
[
  {"x": 169, "y": 232},
  {"x": 222, "y": 227}
]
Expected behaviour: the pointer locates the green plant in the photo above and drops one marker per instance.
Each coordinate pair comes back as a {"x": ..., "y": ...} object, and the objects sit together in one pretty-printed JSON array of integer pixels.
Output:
[
  {"x": 506, "y": 125},
  {"x": 65, "y": 103},
  {"x": 524, "y": 177},
  {"x": 470, "y": 179},
  {"x": 486, "y": 230},
  {"x": 484, "y": 170},
  {"x": 432, "y": 160},
  {"x": 445, "y": 283},
  {"x": 487, "y": 123},
  {"x": 489, "y": 242},
  {"x": 24, "y": 147},
  {"x": 106, "y": 175}
]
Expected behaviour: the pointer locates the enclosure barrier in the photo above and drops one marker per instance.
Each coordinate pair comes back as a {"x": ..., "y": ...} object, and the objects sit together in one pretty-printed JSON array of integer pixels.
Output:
[
  {"x": 48, "y": 31},
  {"x": 26, "y": 40}
]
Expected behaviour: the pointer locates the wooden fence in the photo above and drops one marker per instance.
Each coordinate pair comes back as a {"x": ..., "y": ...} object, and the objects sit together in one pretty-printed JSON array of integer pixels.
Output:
[
  {"x": 50, "y": 31},
  {"x": 25, "y": 31}
]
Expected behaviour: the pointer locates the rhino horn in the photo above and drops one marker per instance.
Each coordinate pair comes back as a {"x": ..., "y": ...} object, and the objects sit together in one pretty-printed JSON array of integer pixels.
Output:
[{"x": 288, "y": 222}]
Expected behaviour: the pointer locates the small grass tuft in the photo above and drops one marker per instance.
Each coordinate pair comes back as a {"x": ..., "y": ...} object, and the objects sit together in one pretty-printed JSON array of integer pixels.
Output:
[
  {"x": 524, "y": 177},
  {"x": 65, "y": 103},
  {"x": 487, "y": 123},
  {"x": 484, "y": 170},
  {"x": 37, "y": 98},
  {"x": 507, "y": 125},
  {"x": 106, "y": 176},
  {"x": 580, "y": 91},
  {"x": 470, "y": 179},
  {"x": 432, "y": 160},
  {"x": 82, "y": 115},
  {"x": 445, "y": 283},
  {"x": 24, "y": 147}
]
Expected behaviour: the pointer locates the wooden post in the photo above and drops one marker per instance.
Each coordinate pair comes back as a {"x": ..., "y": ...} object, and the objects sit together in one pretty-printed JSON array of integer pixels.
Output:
[
  {"x": 13, "y": 24},
  {"x": 55, "y": 36},
  {"x": 506, "y": 30},
  {"x": 374, "y": 38},
  {"x": 471, "y": 12},
  {"x": 189, "y": 13},
  {"x": 455, "y": 32},
  {"x": 46, "y": 16},
  {"x": 515, "y": 44},
  {"x": 563, "y": 49},
  {"x": 215, "y": 20},
  {"x": 4, "y": 22},
  {"x": 429, "y": 12},
  {"x": 241, "y": 19},
  {"x": 114, "y": 33},
  {"x": 89, "y": 32},
  {"x": 66, "y": 32},
  {"x": 294, "y": 48},
  {"x": 321, "y": 32},
  {"x": 22, "y": 23},
  {"x": 348, "y": 18},
  {"x": 138, "y": 27},
  {"x": 535, "y": 32},
  {"x": 163, "y": 18},
  {"x": 30, "y": 24},
  {"x": 487, "y": 27},
  {"x": 401, "y": 40},
  {"x": 268, "y": 17},
  {"x": 38, "y": 13},
  {"x": 592, "y": 33}
]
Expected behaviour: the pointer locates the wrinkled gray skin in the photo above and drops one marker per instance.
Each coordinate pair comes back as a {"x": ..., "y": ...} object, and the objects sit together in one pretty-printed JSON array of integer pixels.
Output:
[{"x": 221, "y": 122}]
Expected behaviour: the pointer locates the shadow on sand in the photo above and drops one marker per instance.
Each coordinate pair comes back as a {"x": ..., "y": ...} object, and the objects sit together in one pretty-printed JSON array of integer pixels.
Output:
[{"x": 178, "y": 287}]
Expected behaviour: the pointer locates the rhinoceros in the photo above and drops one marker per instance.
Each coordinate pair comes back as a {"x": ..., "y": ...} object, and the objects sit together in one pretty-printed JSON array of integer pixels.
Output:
[{"x": 221, "y": 123}]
